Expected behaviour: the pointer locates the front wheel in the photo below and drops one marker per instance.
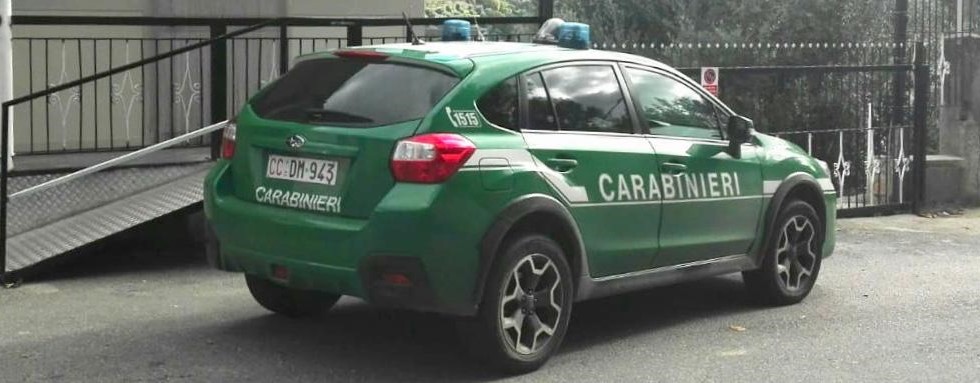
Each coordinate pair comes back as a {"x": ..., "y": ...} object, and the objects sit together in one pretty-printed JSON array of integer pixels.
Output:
[
  {"x": 289, "y": 302},
  {"x": 526, "y": 306},
  {"x": 792, "y": 259}
]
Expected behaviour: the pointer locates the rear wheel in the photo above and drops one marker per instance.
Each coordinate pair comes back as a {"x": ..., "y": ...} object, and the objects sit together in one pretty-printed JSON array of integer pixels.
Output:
[
  {"x": 792, "y": 260},
  {"x": 526, "y": 306},
  {"x": 289, "y": 302}
]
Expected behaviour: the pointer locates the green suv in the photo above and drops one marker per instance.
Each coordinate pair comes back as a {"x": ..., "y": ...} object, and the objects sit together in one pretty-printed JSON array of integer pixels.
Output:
[{"x": 501, "y": 183}]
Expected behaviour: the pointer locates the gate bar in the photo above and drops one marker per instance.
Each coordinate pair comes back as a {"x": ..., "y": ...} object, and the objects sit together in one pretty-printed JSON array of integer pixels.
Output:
[
  {"x": 920, "y": 110},
  {"x": 291, "y": 21}
]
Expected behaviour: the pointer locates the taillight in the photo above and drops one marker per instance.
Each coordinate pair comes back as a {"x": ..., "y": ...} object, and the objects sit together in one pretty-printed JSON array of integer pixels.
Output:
[
  {"x": 430, "y": 158},
  {"x": 228, "y": 139}
]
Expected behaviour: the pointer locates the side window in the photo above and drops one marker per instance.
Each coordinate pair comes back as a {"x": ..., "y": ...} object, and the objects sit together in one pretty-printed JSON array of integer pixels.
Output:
[
  {"x": 540, "y": 115},
  {"x": 499, "y": 105},
  {"x": 671, "y": 108},
  {"x": 722, "y": 116},
  {"x": 588, "y": 98}
]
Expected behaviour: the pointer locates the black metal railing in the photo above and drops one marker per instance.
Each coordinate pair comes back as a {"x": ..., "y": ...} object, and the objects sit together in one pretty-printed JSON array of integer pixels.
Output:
[
  {"x": 110, "y": 113},
  {"x": 846, "y": 116},
  {"x": 146, "y": 104},
  {"x": 732, "y": 53}
]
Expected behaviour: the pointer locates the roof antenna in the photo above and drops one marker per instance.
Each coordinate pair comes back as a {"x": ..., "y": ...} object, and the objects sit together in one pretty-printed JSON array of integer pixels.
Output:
[
  {"x": 411, "y": 31},
  {"x": 479, "y": 32}
]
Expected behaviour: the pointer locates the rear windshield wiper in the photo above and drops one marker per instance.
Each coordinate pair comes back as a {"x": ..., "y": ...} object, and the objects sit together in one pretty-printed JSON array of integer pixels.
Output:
[{"x": 327, "y": 115}]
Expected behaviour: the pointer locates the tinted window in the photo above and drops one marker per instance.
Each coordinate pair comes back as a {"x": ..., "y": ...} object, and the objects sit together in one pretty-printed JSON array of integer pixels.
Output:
[
  {"x": 540, "y": 115},
  {"x": 722, "y": 117},
  {"x": 671, "y": 108},
  {"x": 588, "y": 98},
  {"x": 352, "y": 92},
  {"x": 499, "y": 105}
]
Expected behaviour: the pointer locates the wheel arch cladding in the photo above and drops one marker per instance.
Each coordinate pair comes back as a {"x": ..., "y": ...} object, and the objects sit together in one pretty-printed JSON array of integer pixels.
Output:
[
  {"x": 539, "y": 214},
  {"x": 801, "y": 187}
]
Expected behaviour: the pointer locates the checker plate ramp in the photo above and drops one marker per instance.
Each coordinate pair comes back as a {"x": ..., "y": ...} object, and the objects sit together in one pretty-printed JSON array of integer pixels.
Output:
[{"x": 55, "y": 221}]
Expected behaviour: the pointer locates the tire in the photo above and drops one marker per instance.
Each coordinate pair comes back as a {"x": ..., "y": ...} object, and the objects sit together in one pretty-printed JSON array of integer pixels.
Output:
[
  {"x": 289, "y": 302},
  {"x": 496, "y": 336},
  {"x": 792, "y": 257}
]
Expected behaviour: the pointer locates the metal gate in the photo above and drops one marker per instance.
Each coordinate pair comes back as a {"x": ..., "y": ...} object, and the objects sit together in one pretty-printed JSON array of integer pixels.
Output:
[{"x": 866, "y": 122}]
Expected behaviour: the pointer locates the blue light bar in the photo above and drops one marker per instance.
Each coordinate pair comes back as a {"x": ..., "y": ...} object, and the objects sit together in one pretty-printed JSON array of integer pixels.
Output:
[
  {"x": 574, "y": 35},
  {"x": 456, "y": 30}
]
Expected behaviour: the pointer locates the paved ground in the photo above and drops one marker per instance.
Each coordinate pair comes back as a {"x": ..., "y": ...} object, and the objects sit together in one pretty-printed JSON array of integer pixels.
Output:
[{"x": 900, "y": 301}]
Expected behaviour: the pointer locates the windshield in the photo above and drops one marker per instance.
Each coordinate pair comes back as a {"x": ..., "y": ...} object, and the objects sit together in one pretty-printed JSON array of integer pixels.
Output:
[{"x": 353, "y": 93}]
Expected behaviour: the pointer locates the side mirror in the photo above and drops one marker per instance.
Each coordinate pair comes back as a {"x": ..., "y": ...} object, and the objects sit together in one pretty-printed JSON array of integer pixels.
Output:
[{"x": 739, "y": 132}]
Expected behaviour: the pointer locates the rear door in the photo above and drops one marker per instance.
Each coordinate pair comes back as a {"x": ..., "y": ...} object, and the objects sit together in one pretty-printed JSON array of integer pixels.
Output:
[
  {"x": 711, "y": 201},
  {"x": 320, "y": 138},
  {"x": 579, "y": 127}
]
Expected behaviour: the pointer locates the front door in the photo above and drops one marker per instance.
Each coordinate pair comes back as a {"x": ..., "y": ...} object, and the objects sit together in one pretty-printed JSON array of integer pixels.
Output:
[
  {"x": 712, "y": 201},
  {"x": 579, "y": 128}
]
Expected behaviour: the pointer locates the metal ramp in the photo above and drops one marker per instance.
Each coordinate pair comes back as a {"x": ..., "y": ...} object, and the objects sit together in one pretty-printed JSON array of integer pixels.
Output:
[
  {"x": 65, "y": 217},
  {"x": 48, "y": 215},
  {"x": 49, "y": 210}
]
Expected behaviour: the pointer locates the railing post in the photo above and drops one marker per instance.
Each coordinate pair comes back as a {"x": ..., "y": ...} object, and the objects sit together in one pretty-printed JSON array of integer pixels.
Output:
[
  {"x": 355, "y": 33},
  {"x": 920, "y": 120},
  {"x": 900, "y": 39},
  {"x": 4, "y": 173},
  {"x": 546, "y": 10},
  {"x": 6, "y": 94},
  {"x": 283, "y": 48},
  {"x": 219, "y": 85}
]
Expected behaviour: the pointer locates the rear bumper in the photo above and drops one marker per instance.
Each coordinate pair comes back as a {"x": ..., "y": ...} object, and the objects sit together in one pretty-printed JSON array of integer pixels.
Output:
[{"x": 408, "y": 234}]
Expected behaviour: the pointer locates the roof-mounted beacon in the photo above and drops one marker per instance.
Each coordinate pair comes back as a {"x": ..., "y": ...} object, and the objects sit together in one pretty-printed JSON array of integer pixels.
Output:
[
  {"x": 548, "y": 33},
  {"x": 456, "y": 30},
  {"x": 574, "y": 35},
  {"x": 564, "y": 34}
]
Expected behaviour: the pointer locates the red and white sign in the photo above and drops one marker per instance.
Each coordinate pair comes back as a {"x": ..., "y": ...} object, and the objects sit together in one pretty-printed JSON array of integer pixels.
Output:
[{"x": 709, "y": 79}]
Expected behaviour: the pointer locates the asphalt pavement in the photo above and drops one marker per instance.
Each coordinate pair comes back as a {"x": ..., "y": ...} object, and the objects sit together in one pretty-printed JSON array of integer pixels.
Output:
[{"x": 899, "y": 301}]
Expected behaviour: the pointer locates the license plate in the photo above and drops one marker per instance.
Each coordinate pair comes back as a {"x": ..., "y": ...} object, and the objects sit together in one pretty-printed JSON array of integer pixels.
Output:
[{"x": 298, "y": 169}]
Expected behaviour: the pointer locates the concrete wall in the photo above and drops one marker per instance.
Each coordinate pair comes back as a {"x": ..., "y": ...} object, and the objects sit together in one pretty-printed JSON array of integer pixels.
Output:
[
  {"x": 217, "y": 8},
  {"x": 959, "y": 129},
  {"x": 80, "y": 7}
]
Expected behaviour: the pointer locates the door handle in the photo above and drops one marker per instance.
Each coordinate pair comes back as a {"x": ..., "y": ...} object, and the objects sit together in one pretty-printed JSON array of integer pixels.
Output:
[
  {"x": 562, "y": 164},
  {"x": 673, "y": 167}
]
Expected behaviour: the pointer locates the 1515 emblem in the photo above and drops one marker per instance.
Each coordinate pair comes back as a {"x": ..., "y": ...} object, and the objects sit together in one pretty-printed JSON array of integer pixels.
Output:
[{"x": 463, "y": 118}]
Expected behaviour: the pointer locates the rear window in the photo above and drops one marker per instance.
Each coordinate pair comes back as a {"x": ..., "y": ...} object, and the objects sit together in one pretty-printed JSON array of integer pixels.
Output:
[
  {"x": 499, "y": 105},
  {"x": 353, "y": 93}
]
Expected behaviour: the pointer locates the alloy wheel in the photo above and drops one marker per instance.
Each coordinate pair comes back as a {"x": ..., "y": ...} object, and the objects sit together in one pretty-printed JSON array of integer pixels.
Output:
[
  {"x": 796, "y": 256},
  {"x": 532, "y": 304}
]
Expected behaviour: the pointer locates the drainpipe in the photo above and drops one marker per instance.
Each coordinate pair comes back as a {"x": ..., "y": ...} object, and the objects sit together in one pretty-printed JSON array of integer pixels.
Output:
[{"x": 7, "y": 69}]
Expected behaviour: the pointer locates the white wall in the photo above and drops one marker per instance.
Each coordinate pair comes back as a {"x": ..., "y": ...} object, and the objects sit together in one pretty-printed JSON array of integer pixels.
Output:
[
  {"x": 374, "y": 8},
  {"x": 219, "y": 8},
  {"x": 80, "y": 7}
]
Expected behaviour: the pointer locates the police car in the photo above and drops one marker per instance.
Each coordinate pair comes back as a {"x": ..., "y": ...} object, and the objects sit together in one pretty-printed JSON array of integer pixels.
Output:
[{"x": 502, "y": 183}]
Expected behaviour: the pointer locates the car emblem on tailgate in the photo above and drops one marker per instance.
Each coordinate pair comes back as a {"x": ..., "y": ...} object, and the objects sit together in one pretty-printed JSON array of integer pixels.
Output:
[{"x": 296, "y": 141}]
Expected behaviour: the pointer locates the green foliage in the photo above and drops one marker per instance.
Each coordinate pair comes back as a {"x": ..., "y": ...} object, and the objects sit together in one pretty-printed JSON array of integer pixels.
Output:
[
  {"x": 481, "y": 8},
  {"x": 725, "y": 20},
  {"x": 471, "y": 9}
]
